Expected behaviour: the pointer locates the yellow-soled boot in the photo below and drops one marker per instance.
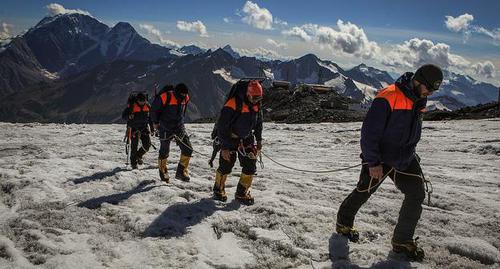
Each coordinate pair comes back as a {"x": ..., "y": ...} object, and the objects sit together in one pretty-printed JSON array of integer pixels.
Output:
[
  {"x": 182, "y": 172},
  {"x": 243, "y": 190},
  {"x": 350, "y": 232},
  {"x": 163, "y": 170},
  {"x": 220, "y": 187},
  {"x": 410, "y": 248}
]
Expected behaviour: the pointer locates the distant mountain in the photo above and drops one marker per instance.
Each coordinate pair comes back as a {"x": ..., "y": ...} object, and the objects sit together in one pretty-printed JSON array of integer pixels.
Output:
[
  {"x": 71, "y": 43},
  {"x": 370, "y": 76},
  {"x": 231, "y": 52},
  {"x": 310, "y": 69},
  {"x": 465, "y": 90},
  {"x": 57, "y": 40},
  {"x": 456, "y": 91},
  {"x": 19, "y": 68},
  {"x": 192, "y": 49},
  {"x": 73, "y": 68}
]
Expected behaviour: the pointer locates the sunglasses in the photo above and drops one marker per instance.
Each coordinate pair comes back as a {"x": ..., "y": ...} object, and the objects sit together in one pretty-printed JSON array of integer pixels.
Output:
[{"x": 429, "y": 86}]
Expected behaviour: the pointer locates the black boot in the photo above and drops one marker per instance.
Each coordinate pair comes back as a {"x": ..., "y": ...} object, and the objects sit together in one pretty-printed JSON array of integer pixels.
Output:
[{"x": 410, "y": 248}]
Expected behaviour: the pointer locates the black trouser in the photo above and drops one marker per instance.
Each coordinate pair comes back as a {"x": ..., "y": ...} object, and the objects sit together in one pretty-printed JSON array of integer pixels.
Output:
[
  {"x": 134, "y": 143},
  {"x": 248, "y": 165},
  {"x": 411, "y": 186},
  {"x": 167, "y": 136}
]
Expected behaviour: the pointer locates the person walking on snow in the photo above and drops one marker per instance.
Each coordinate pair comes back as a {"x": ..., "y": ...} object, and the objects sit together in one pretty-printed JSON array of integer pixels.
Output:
[
  {"x": 389, "y": 135},
  {"x": 239, "y": 130},
  {"x": 168, "y": 112},
  {"x": 138, "y": 119}
]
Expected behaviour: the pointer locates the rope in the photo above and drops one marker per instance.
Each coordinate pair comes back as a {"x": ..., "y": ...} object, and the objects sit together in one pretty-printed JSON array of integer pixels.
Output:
[
  {"x": 370, "y": 187},
  {"x": 427, "y": 183},
  {"x": 310, "y": 171},
  {"x": 187, "y": 146}
]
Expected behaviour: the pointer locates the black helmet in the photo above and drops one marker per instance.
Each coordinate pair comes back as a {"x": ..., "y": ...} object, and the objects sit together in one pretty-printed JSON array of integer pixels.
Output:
[
  {"x": 430, "y": 75},
  {"x": 181, "y": 88}
]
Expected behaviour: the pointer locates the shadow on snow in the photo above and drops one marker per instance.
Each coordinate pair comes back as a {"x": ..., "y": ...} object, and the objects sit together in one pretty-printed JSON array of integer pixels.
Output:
[
  {"x": 339, "y": 255},
  {"x": 115, "y": 199},
  {"x": 176, "y": 219}
]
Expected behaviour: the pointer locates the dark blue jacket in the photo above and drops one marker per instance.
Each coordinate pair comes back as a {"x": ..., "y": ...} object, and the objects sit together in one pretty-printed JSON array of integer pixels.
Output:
[
  {"x": 393, "y": 125},
  {"x": 141, "y": 118},
  {"x": 234, "y": 125},
  {"x": 168, "y": 110}
]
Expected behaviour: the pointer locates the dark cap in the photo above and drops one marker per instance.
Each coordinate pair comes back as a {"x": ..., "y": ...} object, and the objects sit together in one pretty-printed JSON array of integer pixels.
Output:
[
  {"x": 430, "y": 75},
  {"x": 181, "y": 88}
]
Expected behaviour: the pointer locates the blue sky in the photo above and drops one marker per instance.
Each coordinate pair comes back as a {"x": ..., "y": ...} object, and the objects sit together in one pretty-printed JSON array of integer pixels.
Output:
[{"x": 396, "y": 35}]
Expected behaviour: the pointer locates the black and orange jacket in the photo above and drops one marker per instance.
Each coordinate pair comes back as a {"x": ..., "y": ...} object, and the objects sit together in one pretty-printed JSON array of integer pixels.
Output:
[
  {"x": 141, "y": 118},
  {"x": 168, "y": 110},
  {"x": 234, "y": 125},
  {"x": 393, "y": 125}
]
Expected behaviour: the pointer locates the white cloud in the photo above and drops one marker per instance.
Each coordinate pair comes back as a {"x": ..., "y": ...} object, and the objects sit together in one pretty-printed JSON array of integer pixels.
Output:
[
  {"x": 56, "y": 9},
  {"x": 276, "y": 44},
  {"x": 280, "y": 22},
  {"x": 261, "y": 52},
  {"x": 349, "y": 39},
  {"x": 257, "y": 17},
  {"x": 416, "y": 52},
  {"x": 460, "y": 23},
  {"x": 494, "y": 34},
  {"x": 226, "y": 20},
  {"x": 196, "y": 26},
  {"x": 463, "y": 24},
  {"x": 5, "y": 30},
  {"x": 157, "y": 35},
  {"x": 298, "y": 32},
  {"x": 485, "y": 69}
]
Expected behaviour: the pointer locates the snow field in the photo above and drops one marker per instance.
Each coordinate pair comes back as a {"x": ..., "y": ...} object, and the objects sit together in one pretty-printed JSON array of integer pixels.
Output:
[{"x": 67, "y": 200}]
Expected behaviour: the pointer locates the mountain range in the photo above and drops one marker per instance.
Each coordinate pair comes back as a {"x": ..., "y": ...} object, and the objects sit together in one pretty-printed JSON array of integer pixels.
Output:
[{"x": 74, "y": 68}]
